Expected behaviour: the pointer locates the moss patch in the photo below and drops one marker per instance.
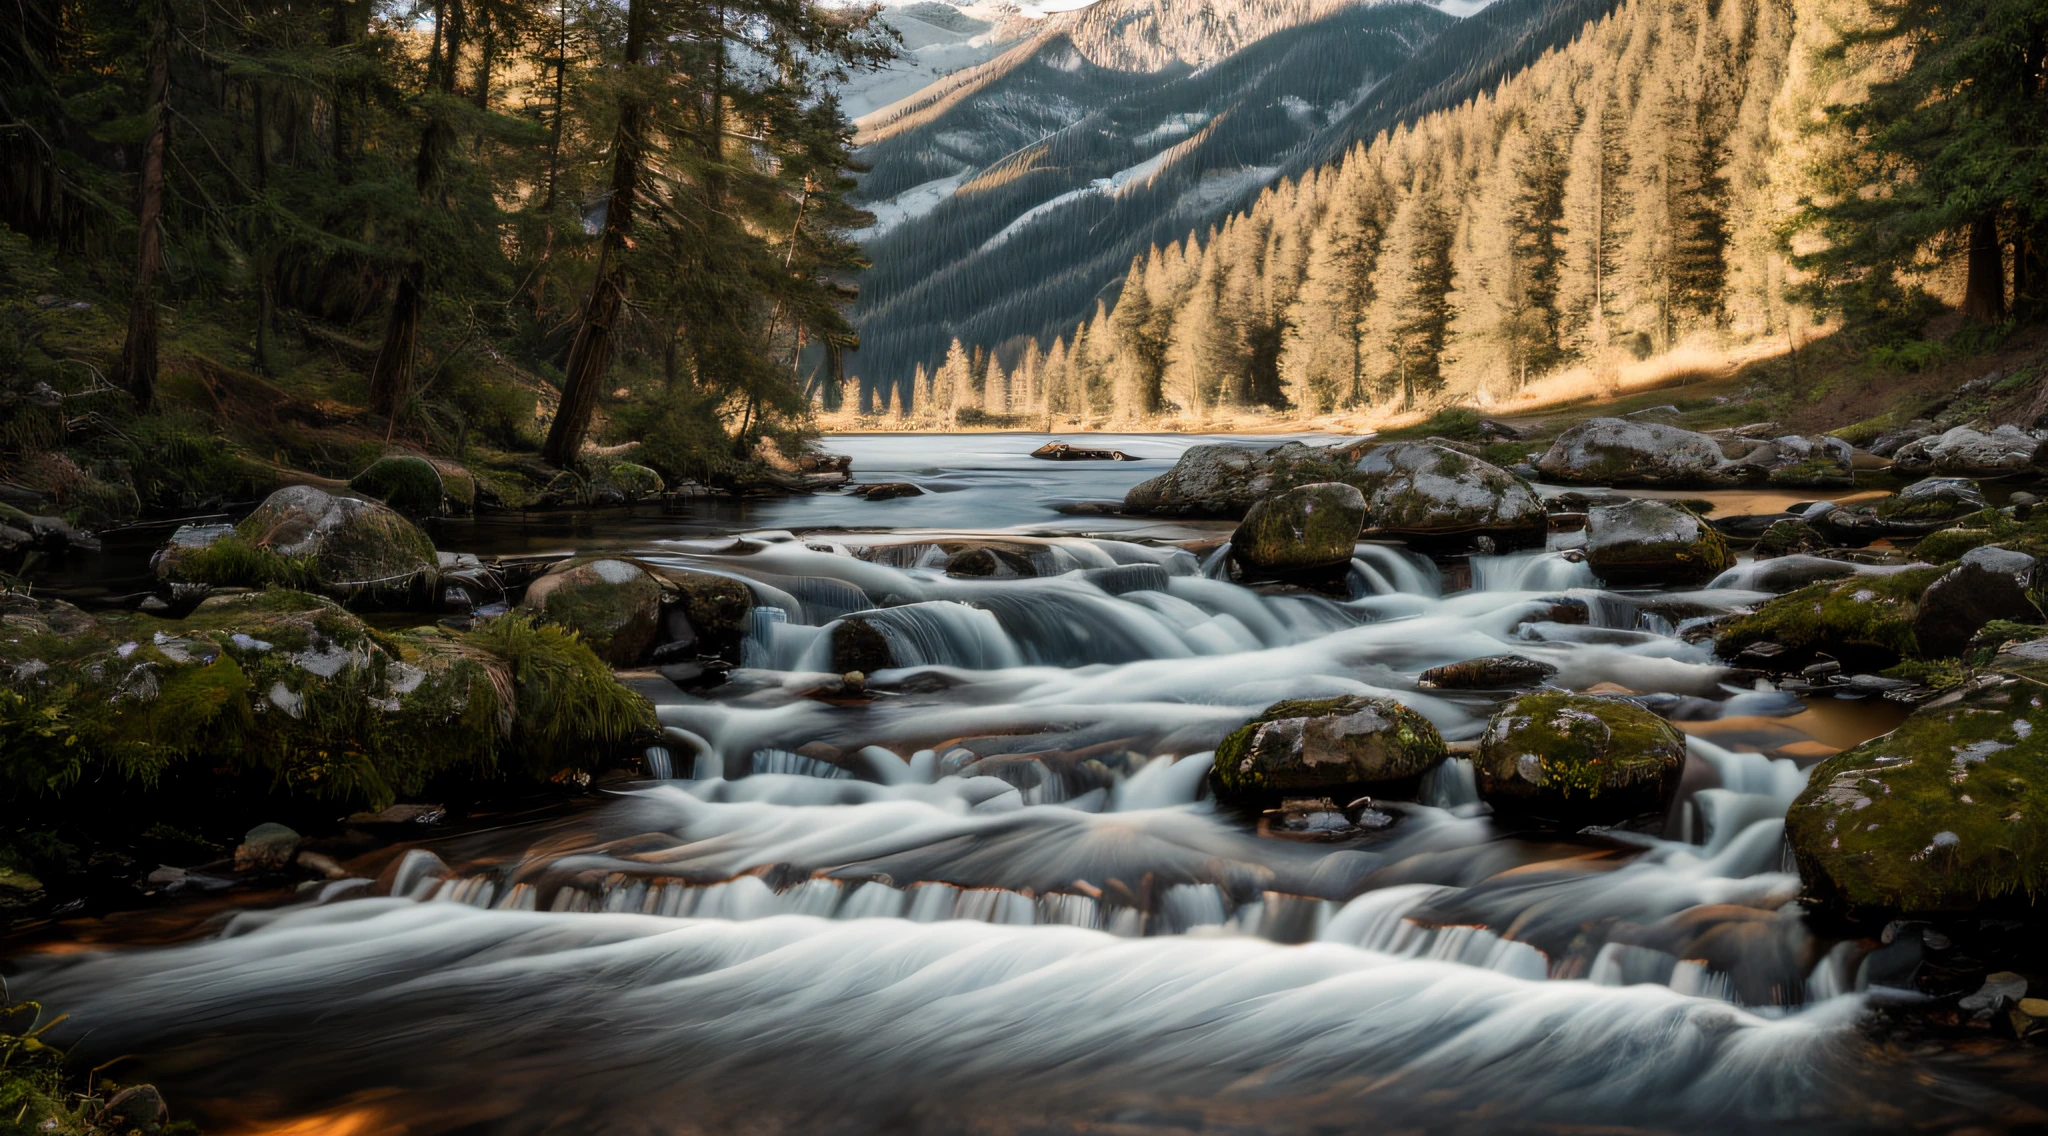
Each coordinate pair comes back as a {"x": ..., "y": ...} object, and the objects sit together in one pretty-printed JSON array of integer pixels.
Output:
[
  {"x": 1865, "y": 621},
  {"x": 411, "y": 485},
  {"x": 1325, "y": 744},
  {"x": 1576, "y": 759}
]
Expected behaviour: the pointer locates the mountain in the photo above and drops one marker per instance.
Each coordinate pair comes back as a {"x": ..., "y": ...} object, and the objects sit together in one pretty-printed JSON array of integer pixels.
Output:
[{"x": 1011, "y": 195}]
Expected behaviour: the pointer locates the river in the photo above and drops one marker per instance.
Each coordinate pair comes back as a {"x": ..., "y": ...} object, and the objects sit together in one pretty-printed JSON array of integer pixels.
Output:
[{"x": 993, "y": 896}]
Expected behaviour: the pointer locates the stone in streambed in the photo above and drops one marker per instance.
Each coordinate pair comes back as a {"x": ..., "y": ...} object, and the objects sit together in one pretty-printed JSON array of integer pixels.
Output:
[
  {"x": 1571, "y": 760},
  {"x": 1615, "y": 451},
  {"x": 1989, "y": 583},
  {"x": 858, "y": 645},
  {"x": 306, "y": 538},
  {"x": 1221, "y": 480},
  {"x": 614, "y": 605},
  {"x": 1650, "y": 542},
  {"x": 1789, "y": 537},
  {"x": 408, "y": 483},
  {"x": 887, "y": 491},
  {"x": 1864, "y": 621},
  {"x": 1494, "y": 672},
  {"x": 1324, "y": 746},
  {"x": 267, "y": 847},
  {"x": 707, "y": 614},
  {"x": 1968, "y": 452},
  {"x": 1061, "y": 451},
  {"x": 1313, "y": 526},
  {"x": 1420, "y": 491},
  {"x": 1933, "y": 499},
  {"x": 1947, "y": 813}
]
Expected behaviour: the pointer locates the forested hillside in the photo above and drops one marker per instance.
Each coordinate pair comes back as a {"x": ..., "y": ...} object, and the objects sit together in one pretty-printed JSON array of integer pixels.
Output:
[
  {"x": 1013, "y": 195},
  {"x": 1614, "y": 199}
]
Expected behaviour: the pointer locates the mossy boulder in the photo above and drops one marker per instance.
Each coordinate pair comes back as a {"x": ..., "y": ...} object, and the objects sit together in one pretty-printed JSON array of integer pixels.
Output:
[
  {"x": 407, "y": 482},
  {"x": 1311, "y": 526},
  {"x": 1933, "y": 499},
  {"x": 1422, "y": 491},
  {"x": 1865, "y": 621},
  {"x": 614, "y": 605},
  {"x": 1989, "y": 583},
  {"x": 1222, "y": 480},
  {"x": 1944, "y": 545},
  {"x": 307, "y": 539},
  {"x": 1789, "y": 537},
  {"x": 1965, "y": 451},
  {"x": 1948, "y": 812},
  {"x": 283, "y": 692},
  {"x": 1616, "y": 451},
  {"x": 1571, "y": 760},
  {"x": 710, "y": 611},
  {"x": 1319, "y": 747},
  {"x": 1652, "y": 542},
  {"x": 634, "y": 482}
]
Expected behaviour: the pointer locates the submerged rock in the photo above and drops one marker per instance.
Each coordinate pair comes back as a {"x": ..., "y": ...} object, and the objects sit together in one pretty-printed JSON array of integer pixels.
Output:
[
  {"x": 1321, "y": 746},
  {"x": 1221, "y": 480},
  {"x": 1572, "y": 760},
  {"x": 1421, "y": 491},
  {"x": 1968, "y": 452},
  {"x": 1651, "y": 542},
  {"x": 1494, "y": 672},
  {"x": 1312, "y": 526},
  {"x": 1949, "y": 812},
  {"x": 1061, "y": 451},
  {"x": 887, "y": 491},
  {"x": 1616, "y": 451},
  {"x": 858, "y": 645},
  {"x": 1989, "y": 583},
  {"x": 614, "y": 605},
  {"x": 306, "y": 538}
]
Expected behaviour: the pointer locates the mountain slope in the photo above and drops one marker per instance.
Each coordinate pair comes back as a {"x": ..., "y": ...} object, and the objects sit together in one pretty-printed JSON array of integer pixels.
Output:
[{"x": 1012, "y": 196}]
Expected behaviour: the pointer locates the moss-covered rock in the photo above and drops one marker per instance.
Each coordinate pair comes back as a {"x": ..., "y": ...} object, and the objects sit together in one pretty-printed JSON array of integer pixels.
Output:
[
  {"x": 1933, "y": 499},
  {"x": 634, "y": 482},
  {"x": 1421, "y": 491},
  {"x": 1324, "y": 746},
  {"x": 1616, "y": 451},
  {"x": 1493, "y": 672},
  {"x": 407, "y": 482},
  {"x": 712, "y": 612},
  {"x": 307, "y": 539},
  {"x": 1990, "y": 583},
  {"x": 1221, "y": 480},
  {"x": 1945, "y": 545},
  {"x": 1311, "y": 526},
  {"x": 1573, "y": 760},
  {"x": 614, "y": 605},
  {"x": 1946, "y": 812},
  {"x": 1967, "y": 452},
  {"x": 1651, "y": 542},
  {"x": 858, "y": 645},
  {"x": 282, "y": 692},
  {"x": 1789, "y": 537},
  {"x": 1866, "y": 621}
]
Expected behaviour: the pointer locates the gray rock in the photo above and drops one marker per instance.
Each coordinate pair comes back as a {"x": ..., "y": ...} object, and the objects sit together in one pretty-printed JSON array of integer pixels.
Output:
[
  {"x": 1999, "y": 989},
  {"x": 1311, "y": 526},
  {"x": 1615, "y": 451},
  {"x": 1889, "y": 442},
  {"x": 1990, "y": 583},
  {"x": 1494, "y": 672},
  {"x": 1219, "y": 480},
  {"x": 1968, "y": 452},
  {"x": 267, "y": 847},
  {"x": 1416, "y": 490},
  {"x": 1647, "y": 541},
  {"x": 1782, "y": 574},
  {"x": 1321, "y": 745},
  {"x": 1794, "y": 461},
  {"x": 1933, "y": 499}
]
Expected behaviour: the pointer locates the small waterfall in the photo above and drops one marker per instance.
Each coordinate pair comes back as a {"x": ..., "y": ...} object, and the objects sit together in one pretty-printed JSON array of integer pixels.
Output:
[
  {"x": 1530, "y": 572},
  {"x": 945, "y": 633},
  {"x": 660, "y": 763}
]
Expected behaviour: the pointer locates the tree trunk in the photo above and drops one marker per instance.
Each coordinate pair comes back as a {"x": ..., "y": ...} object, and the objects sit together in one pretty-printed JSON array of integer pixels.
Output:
[
  {"x": 590, "y": 355},
  {"x": 138, "y": 351},
  {"x": 561, "y": 81},
  {"x": 1984, "y": 279},
  {"x": 391, "y": 374}
]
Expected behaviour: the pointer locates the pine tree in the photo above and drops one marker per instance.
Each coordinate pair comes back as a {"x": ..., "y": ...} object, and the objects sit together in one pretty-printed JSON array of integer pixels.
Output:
[{"x": 1425, "y": 331}]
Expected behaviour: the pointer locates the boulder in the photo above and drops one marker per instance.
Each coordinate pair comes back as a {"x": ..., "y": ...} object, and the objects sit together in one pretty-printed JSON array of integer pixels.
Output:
[
  {"x": 1890, "y": 442},
  {"x": 1616, "y": 451},
  {"x": 1933, "y": 499},
  {"x": 1968, "y": 452},
  {"x": 1781, "y": 574},
  {"x": 1789, "y": 537},
  {"x": 991, "y": 562},
  {"x": 1324, "y": 746},
  {"x": 708, "y": 614},
  {"x": 1421, "y": 491},
  {"x": 634, "y": 482},
  {"x": 1947, "y": 813},
  {"x": 138, "y": 1108},
  {"x": 1989, "y": 583},
  {"x": 1793, "y": 461},
  {"x": 1060, "y": 451},
  {"x": 1221, "y": 480},
  {"x": 1651, "y": 542},
  {"x": 306, "y": 538},
  {"x": 408, "y": 483},
  {"x": 1865, "y": 622},
  {"x": 1572, "y": 760},
  {"x": 1312, "y": 526},
  {"x": 1494, "y": 672},
  {"x": 266, "y": 848},
  {"x": 614, "y": 605},
  {"x": 858, "y": 645}
]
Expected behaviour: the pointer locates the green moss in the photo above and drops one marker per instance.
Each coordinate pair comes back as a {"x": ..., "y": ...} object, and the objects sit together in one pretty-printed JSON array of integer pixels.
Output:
[
  {"x": 1788, "y": 537},
  {"x": 1861, "y": 620},
  {"x": 1584, "y": 746},
  {"x": 1255, "y": 762},
  {"x": 1946, "y": 811},
  {"x": 232, "y": 562},
  {"x": 412, "y": 485},
  {"x": 1950, "y": 544},
  {"x": 637, "y": 482},
  {"x": 1309, "y": 527}
]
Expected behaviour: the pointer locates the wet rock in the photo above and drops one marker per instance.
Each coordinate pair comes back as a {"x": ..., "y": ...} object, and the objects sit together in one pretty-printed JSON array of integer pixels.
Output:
[
  {"x": 266, "y": 848},
  {"x": 2000, "y": 990},
  {"x": 1989, "y": 583},
  {"x": 1323, "y": 746},
  {"x": 887, "y": 491},
  {"x": 1967, "y": 452},
  {"x": 408, "y": 483},
  {"x": 1784, "y": 574},
  {"x": 1420, "y": 491},
  {"x": 302, "y": 537},
  {"x": 1615, "y": 451},
  {"x": 1947, "y": 813},
  {"x": 858, "y": 645},
  {"x": 1494, "y": 672},
  {"x": 613, "y": 605},
  {"x": 1944, "y": 545},
  {"x": 1221, "y": 480},
  {"x": 991, "y": 562},
  {"x": 1650, "y": 542},
  {"x": 1127, "y": 578},
  {"x": 1312, "y": 526},
  {"x": 138, "y": 1108},
  {"x": 1061, "y": 451},
  {"x": 1789, "y": 537},
  {"x": 709, "y": 612},
  {"x": 1864, "y": 621},
  {"x": 1319, "y": 819},
  {"x": 1793, "y": 461},
  {"x": 1572, "y": 760},
  {"x": 408, "y": 813},
  {"x": 1933, "y": 499},
  {"x": 1889, "y": 442}
]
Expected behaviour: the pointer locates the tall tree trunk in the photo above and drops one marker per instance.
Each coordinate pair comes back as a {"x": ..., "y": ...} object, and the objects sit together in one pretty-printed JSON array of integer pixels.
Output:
[
  {"x": 1984, "y": 279},
  {"x": 391, "y": 374},
  {"x": 138, "y": 351},
  {"x": 591, "y": 353},
  {"x": 561, "y": 81}
]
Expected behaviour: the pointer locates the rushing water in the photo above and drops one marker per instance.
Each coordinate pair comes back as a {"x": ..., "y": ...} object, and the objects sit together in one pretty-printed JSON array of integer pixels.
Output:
[{"x": 993, "y": 895}]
